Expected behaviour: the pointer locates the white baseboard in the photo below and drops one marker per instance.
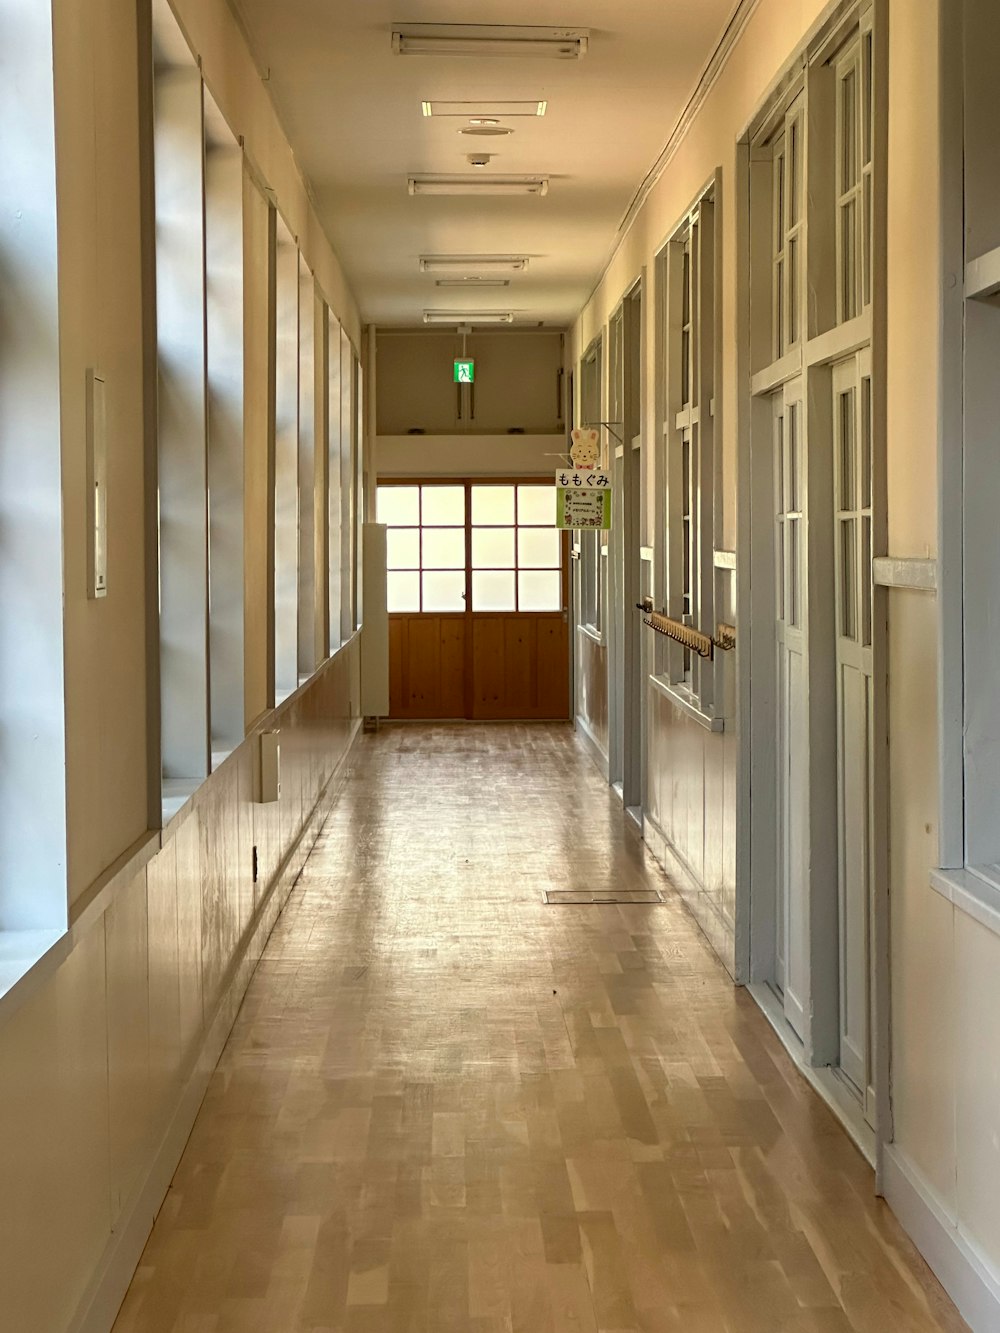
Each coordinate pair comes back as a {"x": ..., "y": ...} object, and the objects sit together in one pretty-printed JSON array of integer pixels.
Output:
[
  {"x": 719, "y": 933},
  {"x": 98, "y": 1307},
  {"x": 592, "y": 746},
  {"x": 968, "y": 1277},
  {"x": 823, "y": 1081}
]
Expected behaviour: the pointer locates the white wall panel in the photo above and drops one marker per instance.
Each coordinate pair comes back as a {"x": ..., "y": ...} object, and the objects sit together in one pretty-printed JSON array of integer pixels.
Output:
[
  {"x": 56, "y": 1213},
  {"x": 126, "y": 933}
]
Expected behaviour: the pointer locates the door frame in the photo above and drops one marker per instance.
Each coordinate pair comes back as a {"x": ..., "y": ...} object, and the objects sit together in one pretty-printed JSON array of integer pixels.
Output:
[
  {"x": 756, "y": 824},
  {"x": 469, "y": 615},
  {"x": 627, "y": 702}
]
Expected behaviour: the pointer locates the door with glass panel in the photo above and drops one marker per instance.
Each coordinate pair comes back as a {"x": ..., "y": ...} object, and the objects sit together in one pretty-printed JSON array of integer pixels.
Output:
[
  {"x": 852, "y": 420},
  {"x": 477, "y": 600},
  {"x": 791, "y": 973}
]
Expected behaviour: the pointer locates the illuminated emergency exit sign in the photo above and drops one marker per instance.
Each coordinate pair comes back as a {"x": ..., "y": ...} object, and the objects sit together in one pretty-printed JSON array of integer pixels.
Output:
[{"x": 465, "y": 372}]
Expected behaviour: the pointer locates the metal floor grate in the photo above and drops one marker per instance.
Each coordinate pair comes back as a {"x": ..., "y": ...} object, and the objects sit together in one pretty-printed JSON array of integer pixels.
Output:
[{"x": 600, "y": 897}]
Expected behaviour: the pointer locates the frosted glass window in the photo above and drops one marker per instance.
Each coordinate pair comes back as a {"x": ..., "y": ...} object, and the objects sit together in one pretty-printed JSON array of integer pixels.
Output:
[
  {"x": 538, "y": 548},
  {"x": 536, "y": 505},
  {"x": 444, "y": 548},
  {"x": 493, "y": 548},
  {"x": 403, "y": 548},
  {"x": 444, "y": 590},
  {"x": 493, "y": 590},
  {"x": 443, "y": 506},
  {"x": 399, "y": 506},
  {"x": 403, "y": 591},
  {"x": 539, "y": 590},
  {"x": 492, "y": 505}
]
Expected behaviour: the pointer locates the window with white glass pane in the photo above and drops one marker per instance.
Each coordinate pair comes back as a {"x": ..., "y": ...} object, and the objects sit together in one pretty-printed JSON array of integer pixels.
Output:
[
  {"x": 686, "y": 271},
  {"x": 590, "y": 589},
  {"x": 494, "y": 540},
  {"x": 516, "y": 556},
  {"x": 854, "y": 175},
  {"x": 425, "y": 547}
]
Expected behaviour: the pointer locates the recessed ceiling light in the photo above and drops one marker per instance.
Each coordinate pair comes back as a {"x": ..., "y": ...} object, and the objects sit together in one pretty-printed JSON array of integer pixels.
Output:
[
  {"x": 488, "y": 263},
  {"x": 472, "y": 281},
  {"x": 483, "y": 111},
  {"x": 481, "y": 39},
  {"x": 456, "y": 185},
  {"x": 468, "y": 317},
  {"x": 483, "y": 120},
  {"x": 486, "y": 131}
]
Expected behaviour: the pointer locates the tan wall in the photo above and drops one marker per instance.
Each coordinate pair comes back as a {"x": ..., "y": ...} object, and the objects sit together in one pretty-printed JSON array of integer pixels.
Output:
[
  {"x": 924, "y": 1054},
  {"x": 106, "y": 1046},
  {"x": 101, "y": 327},
  {"x": 105, "y": 1062},
  {"x": 467, "y": 455},
  {"x": 98, "y": 141}
]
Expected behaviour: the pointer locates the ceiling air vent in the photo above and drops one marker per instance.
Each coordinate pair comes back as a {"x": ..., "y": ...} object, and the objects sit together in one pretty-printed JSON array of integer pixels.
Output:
[{"x": 481, "y": 39}]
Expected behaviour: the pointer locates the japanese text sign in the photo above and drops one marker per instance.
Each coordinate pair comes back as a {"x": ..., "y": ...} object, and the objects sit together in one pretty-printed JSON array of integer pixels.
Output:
[{"x": 583, "y": 498}]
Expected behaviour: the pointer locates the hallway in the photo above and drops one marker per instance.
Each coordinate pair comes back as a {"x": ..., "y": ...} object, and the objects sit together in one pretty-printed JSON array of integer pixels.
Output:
[{"x": 449, "y": 1106}]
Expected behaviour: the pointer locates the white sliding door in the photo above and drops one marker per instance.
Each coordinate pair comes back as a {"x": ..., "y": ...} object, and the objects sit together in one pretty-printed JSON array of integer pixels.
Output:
[
  {"x": 852, "y": 422},
  {"x": 792, "y": 741}
]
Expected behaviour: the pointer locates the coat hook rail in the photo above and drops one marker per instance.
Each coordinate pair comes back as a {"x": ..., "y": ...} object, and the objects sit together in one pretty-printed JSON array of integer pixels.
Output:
[
  {"x": 725, "y": 636},
  {"x": 693, "y": 639}
]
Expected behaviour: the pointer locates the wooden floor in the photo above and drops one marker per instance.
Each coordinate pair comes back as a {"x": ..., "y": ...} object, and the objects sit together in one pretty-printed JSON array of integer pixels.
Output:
[{"x": 447, "y": 1106}]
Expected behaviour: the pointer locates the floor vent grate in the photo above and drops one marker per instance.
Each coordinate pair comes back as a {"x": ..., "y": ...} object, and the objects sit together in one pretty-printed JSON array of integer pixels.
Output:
[{"x": 600, "y": 897}]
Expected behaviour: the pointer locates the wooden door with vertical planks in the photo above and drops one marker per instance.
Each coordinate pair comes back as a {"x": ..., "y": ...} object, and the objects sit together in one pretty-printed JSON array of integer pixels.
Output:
[{"x": 478, "y": 600}]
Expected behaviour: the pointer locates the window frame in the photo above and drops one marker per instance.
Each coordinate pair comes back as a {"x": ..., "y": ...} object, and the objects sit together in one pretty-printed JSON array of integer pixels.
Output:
[
  {"x": 590, "y": 548},
  {"x": 687, "y": 467},
  {"x": 468, "y": 527},
  {"x": 968, "y": 870}
]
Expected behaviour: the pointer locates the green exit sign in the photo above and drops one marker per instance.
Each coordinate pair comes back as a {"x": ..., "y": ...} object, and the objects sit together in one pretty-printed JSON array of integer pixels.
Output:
[{"x": 465, "y": 372}]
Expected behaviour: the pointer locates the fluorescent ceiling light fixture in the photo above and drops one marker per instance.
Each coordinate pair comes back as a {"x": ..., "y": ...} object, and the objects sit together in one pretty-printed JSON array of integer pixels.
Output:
[
  {"x": 469, "y": 281},
  {"x": 468, "y": 317},
  {"x": 482, "y": 39},
  {"x": 479, "y": 185},
  {"x": 484, "y": 111},
  {"x": 466, "y": 263}
]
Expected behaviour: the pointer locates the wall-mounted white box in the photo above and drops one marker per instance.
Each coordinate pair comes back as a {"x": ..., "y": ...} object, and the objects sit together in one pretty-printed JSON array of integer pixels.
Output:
[{"x": 269, "y": 788}]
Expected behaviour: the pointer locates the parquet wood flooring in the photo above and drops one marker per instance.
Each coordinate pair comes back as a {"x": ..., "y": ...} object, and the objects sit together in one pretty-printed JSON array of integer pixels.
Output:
[{"x": 449, "y": 1108}]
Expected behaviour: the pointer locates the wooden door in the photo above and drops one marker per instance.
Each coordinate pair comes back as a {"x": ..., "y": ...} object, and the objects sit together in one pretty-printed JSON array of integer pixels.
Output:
[{"x": 477, "y": 595}]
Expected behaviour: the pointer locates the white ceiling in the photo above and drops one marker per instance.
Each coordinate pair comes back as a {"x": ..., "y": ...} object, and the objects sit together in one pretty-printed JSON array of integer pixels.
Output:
[{"x": 352, "y": 110}]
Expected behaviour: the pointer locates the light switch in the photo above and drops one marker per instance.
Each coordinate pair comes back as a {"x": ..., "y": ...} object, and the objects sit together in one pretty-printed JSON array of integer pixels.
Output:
[{"x": 97, "y": 489}]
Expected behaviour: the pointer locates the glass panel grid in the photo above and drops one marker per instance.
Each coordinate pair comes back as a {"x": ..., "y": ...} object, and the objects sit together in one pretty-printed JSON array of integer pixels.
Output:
[
  {"x": 443, "y": 548},
  {"x": 536, "y": 506},
  {"x": 493, "y": 506},
  {"x": 442, "y": 506},
  {"x": 516, "y": 566}
]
